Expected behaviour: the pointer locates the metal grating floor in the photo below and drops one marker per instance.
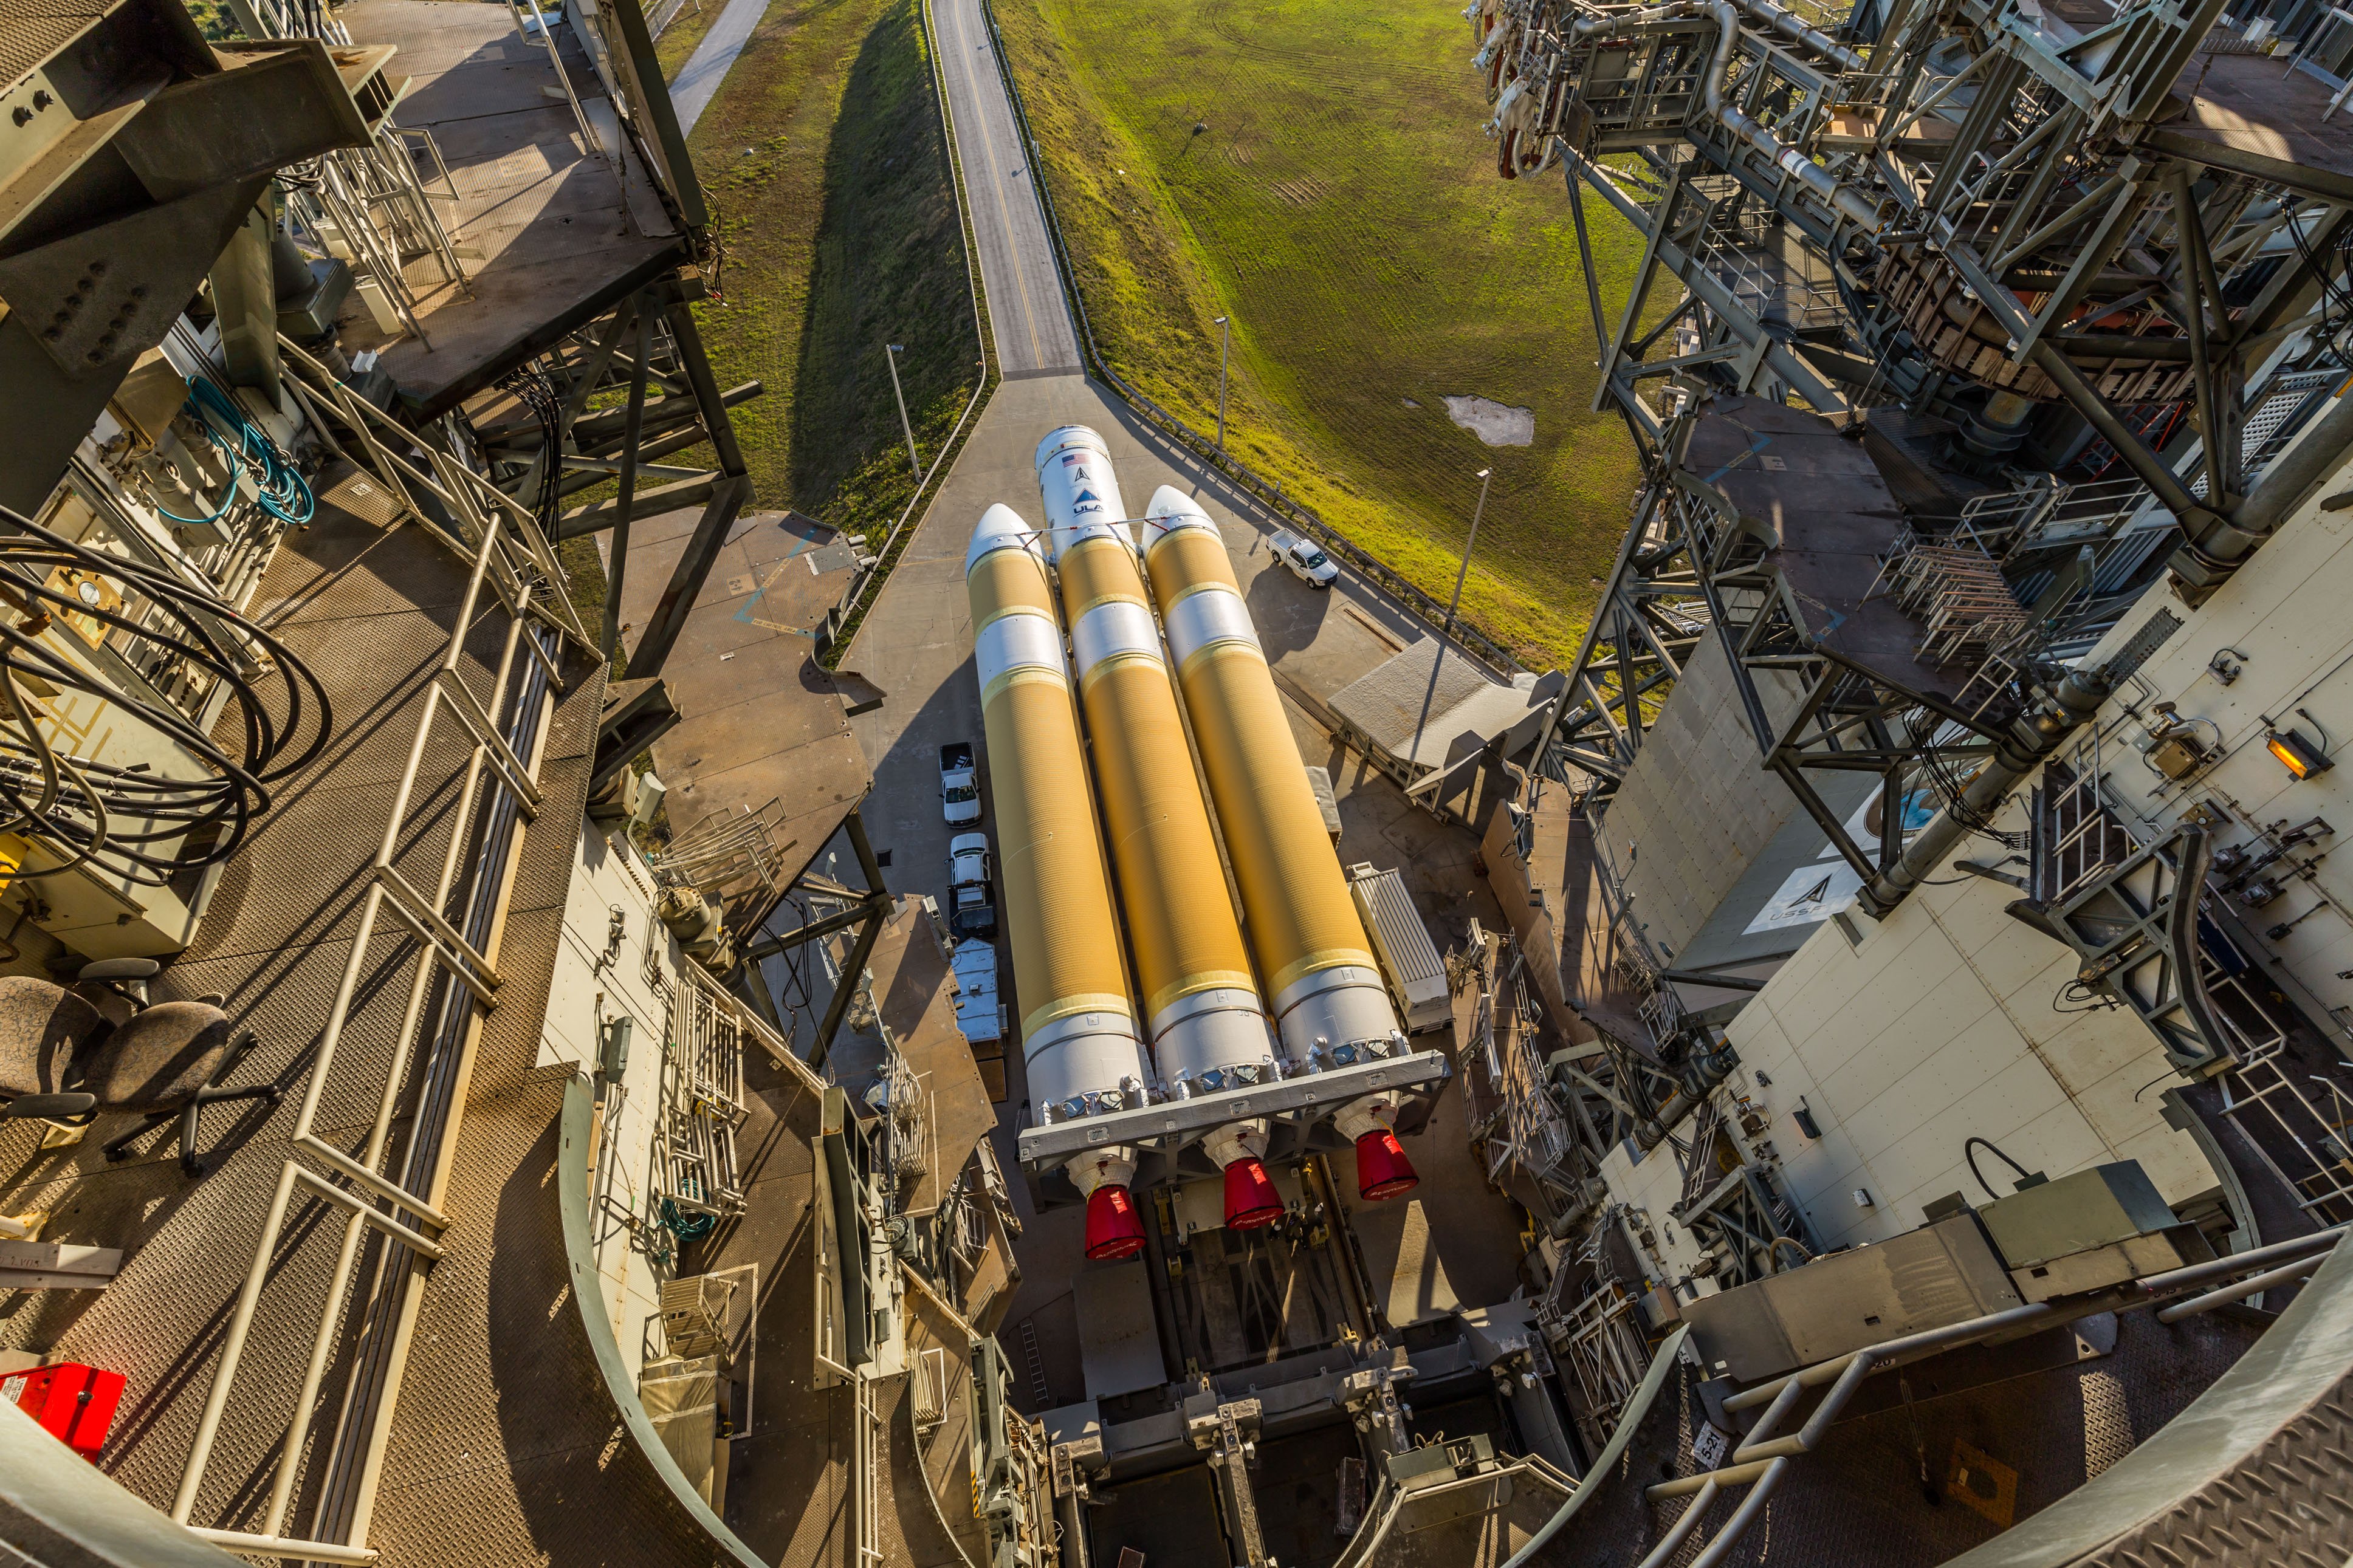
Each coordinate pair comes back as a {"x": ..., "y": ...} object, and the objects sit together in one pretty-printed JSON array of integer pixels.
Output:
[
  {"x": 504, "y": 1422},
  {"x": 1860, "y": 1497}
]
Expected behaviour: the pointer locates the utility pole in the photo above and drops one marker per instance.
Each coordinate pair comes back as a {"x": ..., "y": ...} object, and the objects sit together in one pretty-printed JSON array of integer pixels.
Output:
[
  {"x": 892, "y": 353},
  {"x": 1486, "y": 477},
  {"x": 1225, "y": 354}
]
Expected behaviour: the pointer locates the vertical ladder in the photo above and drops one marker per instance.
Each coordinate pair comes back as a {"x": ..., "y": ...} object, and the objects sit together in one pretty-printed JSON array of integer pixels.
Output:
[{"x": 1037, "y": 1364}]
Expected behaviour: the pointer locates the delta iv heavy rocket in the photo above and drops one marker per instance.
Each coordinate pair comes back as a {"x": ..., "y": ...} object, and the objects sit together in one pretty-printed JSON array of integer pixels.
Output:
[
  {"x": 1078, "y": 1040},
  {"x": 1328, "y": 1001},
  {"x": 1203, "y": 1017}
]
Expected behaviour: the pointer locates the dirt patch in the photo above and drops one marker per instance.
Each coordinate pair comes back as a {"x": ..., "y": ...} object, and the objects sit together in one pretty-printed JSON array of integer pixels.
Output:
[{"x": 1496, "y": 424}]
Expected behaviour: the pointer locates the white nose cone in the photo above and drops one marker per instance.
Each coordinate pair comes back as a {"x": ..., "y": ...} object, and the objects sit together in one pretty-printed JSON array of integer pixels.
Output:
[
  {"x": 1170, "y": 510},
  {"x": 1000, "y": 528},
  {"x": 1079, "y": 490}
]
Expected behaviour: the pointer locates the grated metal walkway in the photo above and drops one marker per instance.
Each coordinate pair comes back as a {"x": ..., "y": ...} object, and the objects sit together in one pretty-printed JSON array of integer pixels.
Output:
[{"x": 501, "y": 1421}]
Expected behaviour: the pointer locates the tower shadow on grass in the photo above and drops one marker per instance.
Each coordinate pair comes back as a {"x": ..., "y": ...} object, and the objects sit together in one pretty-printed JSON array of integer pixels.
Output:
[{"x": 889, "y": 269}]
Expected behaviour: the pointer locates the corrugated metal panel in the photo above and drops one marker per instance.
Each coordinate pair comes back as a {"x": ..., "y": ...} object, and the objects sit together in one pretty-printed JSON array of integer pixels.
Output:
[
  {"x": 1396, "y": 929},
  {"x": 1388, "y": 703}
]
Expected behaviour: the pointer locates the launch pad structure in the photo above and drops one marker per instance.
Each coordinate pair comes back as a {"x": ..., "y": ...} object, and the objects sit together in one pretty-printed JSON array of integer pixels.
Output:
[{"x": 1853, "y": 1069}]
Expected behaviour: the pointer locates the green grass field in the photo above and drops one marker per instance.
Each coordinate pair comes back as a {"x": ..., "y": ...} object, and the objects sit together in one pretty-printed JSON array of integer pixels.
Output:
[
  {"x": 823, "y": 156},
  {"x": 1342, "y": 204},
  {"x": 677, "y": 40}
]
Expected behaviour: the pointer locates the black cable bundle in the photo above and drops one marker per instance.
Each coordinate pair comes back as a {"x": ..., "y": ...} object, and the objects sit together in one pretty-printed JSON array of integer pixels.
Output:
[
  {"x": 532, "y": 388},
  {"x": 131, "y": 822}
]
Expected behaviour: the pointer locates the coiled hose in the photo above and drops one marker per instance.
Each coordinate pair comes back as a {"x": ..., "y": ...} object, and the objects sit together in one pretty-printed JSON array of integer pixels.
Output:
[
  {"x": 281, "y": 491},
  {"x": 133, "y": 822}
]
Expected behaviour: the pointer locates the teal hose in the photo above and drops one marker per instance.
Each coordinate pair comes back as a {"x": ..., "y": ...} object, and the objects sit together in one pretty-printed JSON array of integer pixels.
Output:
[{"x": 281, "y": 491}]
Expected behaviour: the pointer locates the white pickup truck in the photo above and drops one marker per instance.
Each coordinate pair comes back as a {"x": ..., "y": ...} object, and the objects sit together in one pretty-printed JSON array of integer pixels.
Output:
[
  {"x": 972, "y": 911},
  {"x": 1306, "y": 560},
  {"x": 959, "y": 782}
]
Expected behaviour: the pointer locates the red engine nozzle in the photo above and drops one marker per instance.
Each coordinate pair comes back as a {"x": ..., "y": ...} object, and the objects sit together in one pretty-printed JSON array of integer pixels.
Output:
[
  {"x": 1114, "y": 1227},
  {"x": 1250, "y": 1198},
  {"x": 1382, "y": 1169}
]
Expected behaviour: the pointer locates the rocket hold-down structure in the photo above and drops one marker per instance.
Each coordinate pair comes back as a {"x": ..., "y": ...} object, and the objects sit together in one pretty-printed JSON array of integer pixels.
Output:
[{"x": 1166, "y": 1035}]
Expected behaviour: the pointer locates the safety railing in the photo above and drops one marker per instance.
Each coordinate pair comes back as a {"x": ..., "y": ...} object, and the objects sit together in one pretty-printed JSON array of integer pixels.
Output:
[
  {"x": 2297, "y": 1123},
  {"x": 498, "y": 796},
  {"x": 1606, "y": 1353},
  {"x": 1266, "y": 495},
  {"x": 576, "y": 1133},
  {"x": 1763, "y": 1460},
  {"x": 367, "y": 204},
  {"x": 866, "y": 1506}
]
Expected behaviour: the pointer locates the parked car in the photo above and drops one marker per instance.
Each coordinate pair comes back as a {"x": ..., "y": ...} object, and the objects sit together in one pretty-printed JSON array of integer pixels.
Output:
[
  {"x": 959, "y": 782},
  {"x": 973, "y": 913},
  {"x": 972, "y": 909},
  {"x": 969, "y": 859},
  {"x": 1306, "y": 560}
]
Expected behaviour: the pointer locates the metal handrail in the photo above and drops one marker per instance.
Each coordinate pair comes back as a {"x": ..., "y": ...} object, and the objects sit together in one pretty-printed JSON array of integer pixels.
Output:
[
  {"x": 1764, "y": 1459},
  {"x": 489, "y": 541},
  {"x": 1670, "y": 1354},
  {"x": 575, "y": 1136}
]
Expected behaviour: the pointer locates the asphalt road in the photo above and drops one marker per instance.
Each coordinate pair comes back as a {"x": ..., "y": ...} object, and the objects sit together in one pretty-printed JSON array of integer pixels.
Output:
[
  {"x": 698, "y": 79},
  {"x": 1028, "y": 315},
  {"x": 915, "y": 645}
]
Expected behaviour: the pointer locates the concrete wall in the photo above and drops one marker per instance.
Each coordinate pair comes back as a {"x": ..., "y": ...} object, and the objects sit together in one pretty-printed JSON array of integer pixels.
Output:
[
  {"x": 1697, "y": 806},
  {"x": 1946, "y": 1020}
]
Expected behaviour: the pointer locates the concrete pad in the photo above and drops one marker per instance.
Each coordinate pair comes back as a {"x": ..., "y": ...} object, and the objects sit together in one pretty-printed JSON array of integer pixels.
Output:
[
  {"x": 1118, "y": 1343},
  {"x": 763, "y": 729}
]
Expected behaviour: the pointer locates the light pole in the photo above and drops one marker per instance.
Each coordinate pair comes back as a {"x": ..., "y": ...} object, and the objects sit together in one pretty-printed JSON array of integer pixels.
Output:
[
  {"x": 891, "y": 354},
  {"x": 1486, "y": 477},
  {"x": 1225, "y": 354}
]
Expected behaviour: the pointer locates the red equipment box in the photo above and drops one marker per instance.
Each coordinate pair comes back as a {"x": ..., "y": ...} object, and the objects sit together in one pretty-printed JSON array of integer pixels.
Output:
[{"x": 75, "y": 1404}]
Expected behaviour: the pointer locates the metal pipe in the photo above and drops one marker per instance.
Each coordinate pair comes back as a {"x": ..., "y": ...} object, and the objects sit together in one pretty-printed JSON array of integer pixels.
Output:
[
  {"x": 2225, "y": 1267},
  {"x": 2238, "y": 1291},
  {"x": 891, "y": 352},
  {"x": 1723, "y": 1475},
  {"x": 2029, "y": 741},
  {"x": 1738, "y": 1525},
  {"x": 273, "y": 1545},
  {"x": 241, "y": 1325},
  {"x": 2293, "y": 476},
  {"x": 1794, "y": 28},
  {"x": 1680, "y": 1531},
  {"x": 441, "y": 1105}
]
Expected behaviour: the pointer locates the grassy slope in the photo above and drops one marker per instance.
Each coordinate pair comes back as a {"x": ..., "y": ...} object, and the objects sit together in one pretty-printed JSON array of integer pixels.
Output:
[
  {"x": 677, "y": 44},
  {"x": 823, "y": 155},
  {"x": 1345, "y": 206}
]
